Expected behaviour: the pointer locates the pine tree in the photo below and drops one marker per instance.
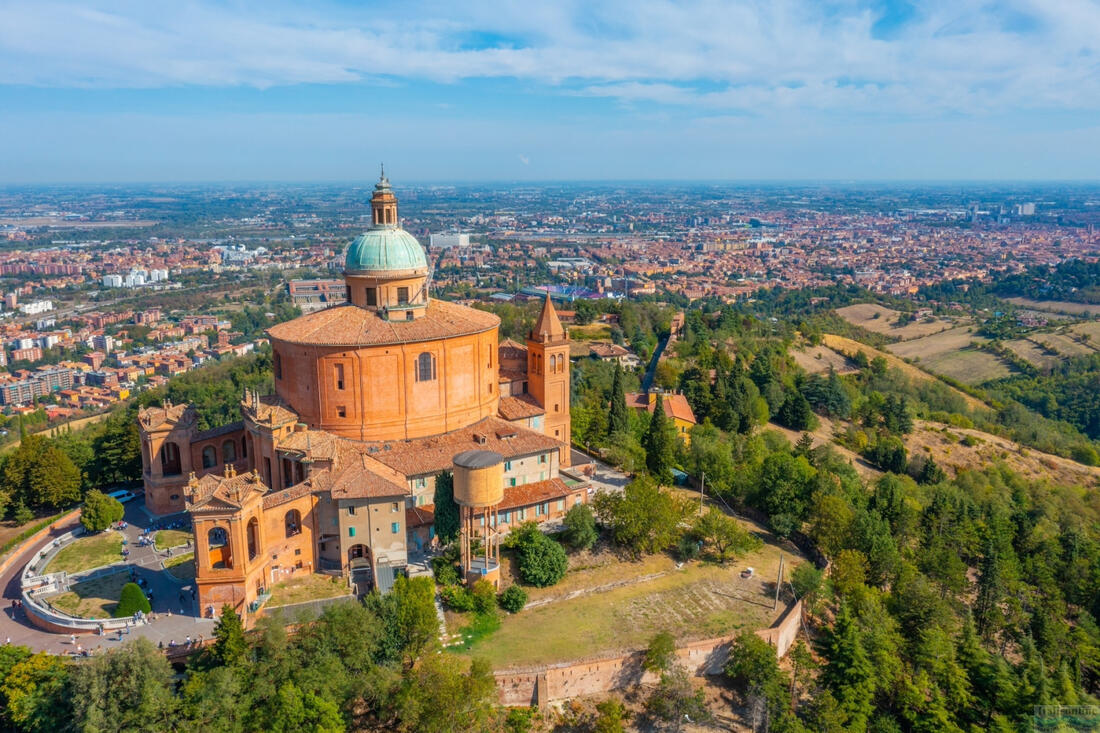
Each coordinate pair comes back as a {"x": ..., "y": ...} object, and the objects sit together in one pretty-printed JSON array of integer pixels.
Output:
[
  {"x": 618, "y": 418},
  {"x": 230, "y": 648},
  {"x": 849, "y": 673},
  {"x": 658, "y": 444}
]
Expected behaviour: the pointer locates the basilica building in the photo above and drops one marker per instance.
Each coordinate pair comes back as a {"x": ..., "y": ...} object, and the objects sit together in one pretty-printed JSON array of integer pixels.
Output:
[{"x": 335, "y": 472}]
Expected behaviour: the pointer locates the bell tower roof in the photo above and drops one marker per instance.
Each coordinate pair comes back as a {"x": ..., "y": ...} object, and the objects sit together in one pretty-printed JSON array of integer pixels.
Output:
[{"x": 548, "y": 326}]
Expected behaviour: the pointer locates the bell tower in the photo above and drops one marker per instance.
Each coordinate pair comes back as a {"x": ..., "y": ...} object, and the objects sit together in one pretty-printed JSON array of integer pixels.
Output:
[
  {"x": 383, "y": 204},
  {"x": 548, "y": 374}
]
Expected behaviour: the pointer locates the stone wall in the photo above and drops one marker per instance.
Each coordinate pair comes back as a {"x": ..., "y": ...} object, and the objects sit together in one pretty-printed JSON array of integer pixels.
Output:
[{"x": 542, "y": 685}]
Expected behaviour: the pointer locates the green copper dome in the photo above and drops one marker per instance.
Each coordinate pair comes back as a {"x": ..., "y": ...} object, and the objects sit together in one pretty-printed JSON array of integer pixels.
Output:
[{"x": 384, "y": 249}]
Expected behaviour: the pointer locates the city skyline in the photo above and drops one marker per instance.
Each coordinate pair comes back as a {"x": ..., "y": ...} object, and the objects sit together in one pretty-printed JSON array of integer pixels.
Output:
[{"x": 860, "y": 91}]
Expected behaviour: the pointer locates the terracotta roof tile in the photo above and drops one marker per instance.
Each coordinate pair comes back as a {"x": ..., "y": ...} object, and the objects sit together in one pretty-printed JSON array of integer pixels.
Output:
[
  {"x": 519, "y": 408},
  {"x": 528, "y": 494},
  {"x": 432, "y": 455},
  {"x": 350, "y": 325},
  {"x": 675, "y": 405}
]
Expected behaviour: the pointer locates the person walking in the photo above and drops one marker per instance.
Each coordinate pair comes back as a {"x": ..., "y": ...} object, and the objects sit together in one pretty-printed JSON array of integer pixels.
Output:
[{"x": 72, "y": 639}]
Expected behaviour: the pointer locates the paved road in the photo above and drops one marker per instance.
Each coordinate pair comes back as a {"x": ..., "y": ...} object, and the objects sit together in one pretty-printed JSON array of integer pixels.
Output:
[
  {"x": 145, "y": 562},
  {"x": 651, "y": 370}
]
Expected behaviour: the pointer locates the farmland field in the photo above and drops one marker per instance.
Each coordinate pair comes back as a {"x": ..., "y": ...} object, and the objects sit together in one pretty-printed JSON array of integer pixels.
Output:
[
  {"x": 818, "y": 359},
  {"x": 1064, "y": 345},
  {"x": 968, "y": 366},
  {"x": 938, "y": 344},
  {"x": 1090, "y": 329},
  {"x": 1032, "y": 354},
  {"x": 1057, "y": 306},
  {"x": 880, "y": 319}
]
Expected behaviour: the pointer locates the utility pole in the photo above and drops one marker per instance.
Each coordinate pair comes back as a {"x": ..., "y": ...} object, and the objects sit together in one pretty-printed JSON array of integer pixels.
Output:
[
  {"x": 778, "y": 583},
  {"x": 702, "y": 490}
]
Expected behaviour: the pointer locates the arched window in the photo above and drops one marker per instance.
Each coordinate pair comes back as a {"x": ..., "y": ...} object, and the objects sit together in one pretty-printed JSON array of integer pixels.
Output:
[
  {"x": 217, "y": 541},
  {"x": 425, "y": 367},
  {"x": 170, "y": 459},
  {"x": 277, "y": 365},
  {"x": 253, "y": 538},
  {"x": 244, "y": 447},
  {"x": 293, "y": 522},
  {"x": 229, "y": 451},
  {"x": 209, "y": 457}
]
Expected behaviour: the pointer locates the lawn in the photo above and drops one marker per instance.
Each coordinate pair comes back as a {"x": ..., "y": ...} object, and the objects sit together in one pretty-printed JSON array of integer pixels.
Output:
[
  {"x": 181, "y": 567},
  {"x": 94, "y": 598},
  {"x": 307, "y": 587},
  {"x": 87, "y": 553},
  {"x": 171, "y": 538},
  {"x": 696, "y": 601}
]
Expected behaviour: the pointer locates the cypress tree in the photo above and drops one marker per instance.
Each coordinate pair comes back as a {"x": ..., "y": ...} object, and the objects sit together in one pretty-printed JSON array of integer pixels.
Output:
[
  {"x": 618, "y": 419},
  {"x": 446, "y": 511},
  {"x": 849, "y": 673},
  {"x": 658, "y": 444},
  {"x": 230, "y": 648}
]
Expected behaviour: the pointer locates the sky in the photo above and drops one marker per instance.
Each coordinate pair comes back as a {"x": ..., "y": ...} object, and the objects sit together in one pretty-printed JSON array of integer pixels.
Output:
[{"x": 482, "y": 90}]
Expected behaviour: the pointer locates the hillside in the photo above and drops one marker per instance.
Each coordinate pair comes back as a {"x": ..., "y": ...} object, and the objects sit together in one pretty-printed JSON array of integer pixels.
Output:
[{"x": 849, "y": 346}]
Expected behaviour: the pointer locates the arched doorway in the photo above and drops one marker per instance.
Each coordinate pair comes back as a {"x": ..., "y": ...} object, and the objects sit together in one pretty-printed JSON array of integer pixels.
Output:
[
  {"x": 209, "y": 457},
  {"x": 217, "y": 543},
  {"x": 359, "y": 569}
]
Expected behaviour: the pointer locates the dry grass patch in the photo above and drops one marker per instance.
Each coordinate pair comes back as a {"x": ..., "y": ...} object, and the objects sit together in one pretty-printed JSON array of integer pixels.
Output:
[
  {"x": 87, "y": 553},
  {"x": 1057, "y": 306},
  {"x": 880, "y": 319},
  {"x": 819, "y": 359},
  {"x": 695, "y": 601},
  {"x": 968, "y": 367},
  {"x": 1063, "y": 344},
  {"x": 944, "y": 342},
  {"x": 1033, "y": 354},
  {"x": 307, "y": 587},
  {"x": 94, "y": 598},
  {"x": 850, "y": 346}
]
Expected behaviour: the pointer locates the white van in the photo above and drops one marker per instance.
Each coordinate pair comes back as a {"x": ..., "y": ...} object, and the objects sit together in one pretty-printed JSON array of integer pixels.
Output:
[{"x": 122, "y": 495}]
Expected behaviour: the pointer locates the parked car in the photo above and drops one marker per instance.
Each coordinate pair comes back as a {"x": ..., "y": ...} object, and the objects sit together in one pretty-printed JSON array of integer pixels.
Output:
[{"x": 123, "y": 495}]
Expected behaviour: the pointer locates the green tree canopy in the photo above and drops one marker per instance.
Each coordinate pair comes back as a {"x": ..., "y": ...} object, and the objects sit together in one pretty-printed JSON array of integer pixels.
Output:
[{"x": 100, "y": 511}]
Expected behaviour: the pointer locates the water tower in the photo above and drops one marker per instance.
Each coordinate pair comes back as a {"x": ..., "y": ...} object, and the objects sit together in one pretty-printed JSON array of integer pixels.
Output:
[{"x": 479, "y": 488}]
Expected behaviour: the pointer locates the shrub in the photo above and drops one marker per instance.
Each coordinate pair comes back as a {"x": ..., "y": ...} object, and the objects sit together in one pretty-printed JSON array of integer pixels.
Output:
[
  {"x": 542, "y": 561},
  {"x": 445, "y": 573},
  {"x": 660, "y": 653},
  {"x": 457, "y": 598},
  {"x": 484, "y": 597},
  {"x": 131, "y": 600},
  {"x": 100, "y": 511},
  {"x": 580, "y": 527},
  {"x": 513, "y": 599}
]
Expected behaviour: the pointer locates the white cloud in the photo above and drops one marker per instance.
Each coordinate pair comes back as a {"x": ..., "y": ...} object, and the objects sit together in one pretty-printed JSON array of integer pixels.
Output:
[{"x": 963, "y": 56}]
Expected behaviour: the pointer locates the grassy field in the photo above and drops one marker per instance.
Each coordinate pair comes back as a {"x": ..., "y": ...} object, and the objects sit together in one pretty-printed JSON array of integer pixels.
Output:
[
  {"x": 1090, "y": 329},
  {"x": 306, "y": 587},
  {"x": 1064, "y": 345},
  {"x": 1032, "y": 354},
  {"x": 181, "y": 567},
  {"x": 591, "y": 332},
  {"x": 968, "y": 366},
  {"x": 880, "y": 319},
  {"x": 87, "y": 553},
  {"x": 94, "y": 598},
  {"x": 935, "y": 345},
  {"x": 694, "y": 602},
  {"x": 1057, "y": 306},
  {"x": 848, "y": 346},
  {"x": 171, "y": 538},
  {"x": 818, "y": 360}
]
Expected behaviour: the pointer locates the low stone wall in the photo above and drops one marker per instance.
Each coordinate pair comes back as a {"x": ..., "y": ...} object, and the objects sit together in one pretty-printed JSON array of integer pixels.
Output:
[
  {"x": 542, "y": 685},
  {"x": 47, "y": 531},
  {"x": 308, "y": 610}
]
